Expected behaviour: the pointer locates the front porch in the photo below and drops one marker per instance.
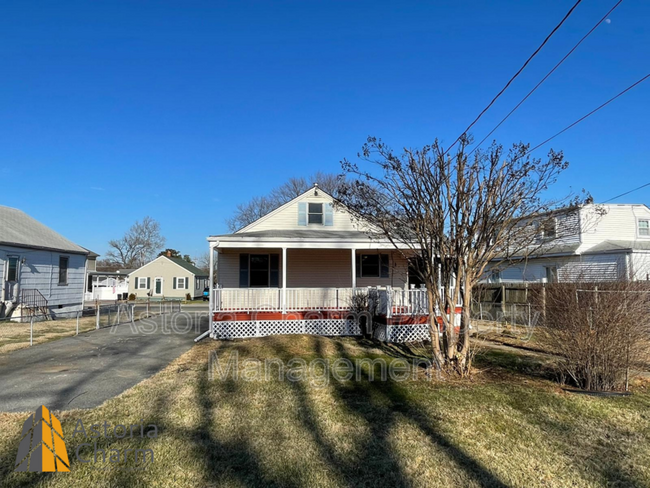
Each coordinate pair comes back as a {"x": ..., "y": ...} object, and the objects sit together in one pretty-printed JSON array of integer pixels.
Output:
[{"x": 326, "y": 283}]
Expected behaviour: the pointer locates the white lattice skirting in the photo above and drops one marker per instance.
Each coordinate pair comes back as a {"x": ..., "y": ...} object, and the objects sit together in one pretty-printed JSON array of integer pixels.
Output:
[
  {"x": 261, "y": 328},
  {"x": 402, "y": 333}
]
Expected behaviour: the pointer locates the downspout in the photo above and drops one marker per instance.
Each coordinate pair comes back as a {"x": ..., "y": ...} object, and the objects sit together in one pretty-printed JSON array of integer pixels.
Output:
[{"x": 210, "y": 298}]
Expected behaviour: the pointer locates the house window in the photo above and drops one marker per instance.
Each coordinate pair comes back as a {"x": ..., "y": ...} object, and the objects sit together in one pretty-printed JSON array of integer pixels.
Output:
[
  {"x": 372, "y": 266},
  {"x": 142, "y": 283},
  {"x": 12, "y": 271},
  {"x": 548, "y": 229},
  {"x": 644, "y": 228},
  {"x": 63, "y": 270},
  {"x": 495, "y": 277},
  {"x": 315, "y": 213},
  {"x": 258, "y": 270},
  {"x": 551, "y": 274},
  {"x": 180, "y": 283}
]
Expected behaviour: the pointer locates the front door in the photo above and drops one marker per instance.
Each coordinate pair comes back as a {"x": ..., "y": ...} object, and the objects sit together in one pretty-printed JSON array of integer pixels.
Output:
[
  {"x": 11, "y": 277},
  {"x": 158, "y": 286}
]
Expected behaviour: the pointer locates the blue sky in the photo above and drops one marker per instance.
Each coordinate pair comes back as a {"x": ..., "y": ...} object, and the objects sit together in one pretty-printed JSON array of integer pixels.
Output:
[{"x": 110, "y": 111}]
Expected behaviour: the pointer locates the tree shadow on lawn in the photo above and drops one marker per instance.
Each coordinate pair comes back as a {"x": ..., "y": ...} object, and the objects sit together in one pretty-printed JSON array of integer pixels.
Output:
[{"x": 379, "y": 404}]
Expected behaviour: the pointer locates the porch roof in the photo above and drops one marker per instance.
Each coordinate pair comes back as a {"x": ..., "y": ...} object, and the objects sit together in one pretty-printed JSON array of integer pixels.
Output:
[{"x": 303, "y": 238}]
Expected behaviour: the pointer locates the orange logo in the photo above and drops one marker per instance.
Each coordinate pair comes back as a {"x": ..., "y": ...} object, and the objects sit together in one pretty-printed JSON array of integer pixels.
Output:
[{"x": 42, "y": 448}]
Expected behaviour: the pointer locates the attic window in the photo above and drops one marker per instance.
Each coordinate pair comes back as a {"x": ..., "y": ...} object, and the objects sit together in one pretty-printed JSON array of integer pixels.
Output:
[
  {"x": 549, "y": 229},
  {"x": 315, "y": 213},
  {"x": 644, "y": 228}
]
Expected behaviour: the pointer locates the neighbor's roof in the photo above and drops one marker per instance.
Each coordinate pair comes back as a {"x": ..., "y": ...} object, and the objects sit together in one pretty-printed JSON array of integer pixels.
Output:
[
  {"x": 19, "y": 229},
  {"x": 612, "y": 246},
  {"x": 188, "y": 266},
  {"x": 301, "y": 234}
]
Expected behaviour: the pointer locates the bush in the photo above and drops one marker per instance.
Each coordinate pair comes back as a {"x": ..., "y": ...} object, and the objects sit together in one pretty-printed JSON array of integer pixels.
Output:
[
  {"x": 188, "y": 297},
  {"x": 132, "y": 297},
  {"x": 600, "y": 331}
]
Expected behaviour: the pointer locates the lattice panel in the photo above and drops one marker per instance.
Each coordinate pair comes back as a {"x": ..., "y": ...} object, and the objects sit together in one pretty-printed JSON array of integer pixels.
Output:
[
  {"x": 262, "y": 328},
  {"x": 407, "y": 333}
]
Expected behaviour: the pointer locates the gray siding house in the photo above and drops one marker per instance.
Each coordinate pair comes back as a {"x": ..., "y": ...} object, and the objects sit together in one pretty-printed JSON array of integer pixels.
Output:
[
  {"x": 41, "y": 270},
  {"x": 595, "y": 242}
]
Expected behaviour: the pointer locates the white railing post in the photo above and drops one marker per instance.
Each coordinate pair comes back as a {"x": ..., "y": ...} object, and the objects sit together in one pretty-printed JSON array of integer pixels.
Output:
[
  {"x": 389, "y": 301},
  {"x": 31, "y": 331},
  {"x": 284, "y": 280}
]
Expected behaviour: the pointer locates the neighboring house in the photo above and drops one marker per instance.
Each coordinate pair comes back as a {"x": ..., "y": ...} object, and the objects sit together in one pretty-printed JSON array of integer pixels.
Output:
[
  {"x": 167, "y": 277},
  {"x": 107, "y": 285},
  {"x": 41, "y": 270},
  {"x": 299, "y": 268},
  {"x": 594, "y": 242}
]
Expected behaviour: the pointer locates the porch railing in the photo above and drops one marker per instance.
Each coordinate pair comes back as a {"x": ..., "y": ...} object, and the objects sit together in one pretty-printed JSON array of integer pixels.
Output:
[{"x": 383, "y": 300}]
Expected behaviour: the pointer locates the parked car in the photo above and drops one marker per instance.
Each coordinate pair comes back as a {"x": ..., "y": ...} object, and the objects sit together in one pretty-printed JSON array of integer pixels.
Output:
[{"x": 206, "y": 294}]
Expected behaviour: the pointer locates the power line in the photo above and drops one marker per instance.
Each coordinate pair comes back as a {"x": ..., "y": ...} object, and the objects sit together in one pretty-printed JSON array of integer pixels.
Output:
[
  {"x": 627, "y": 193},
  {"x": 589, "y": 114},
  {"x": 517, "y": 73},
  {"x": 548, "y": 74}
]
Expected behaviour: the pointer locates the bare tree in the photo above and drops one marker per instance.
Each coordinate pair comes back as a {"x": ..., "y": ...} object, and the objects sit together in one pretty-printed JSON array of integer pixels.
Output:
[
  {"x": 140, "y": 244},
  {"x": 257, "y": 207},
  {"x": 452, "y": 214}
]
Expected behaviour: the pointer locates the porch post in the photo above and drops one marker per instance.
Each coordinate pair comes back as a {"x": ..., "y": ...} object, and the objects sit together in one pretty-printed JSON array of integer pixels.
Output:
[
  {"x": 284, "y": 280},
  {"x": 354, "y": 268},
  {"x": 211, "y": 297}
]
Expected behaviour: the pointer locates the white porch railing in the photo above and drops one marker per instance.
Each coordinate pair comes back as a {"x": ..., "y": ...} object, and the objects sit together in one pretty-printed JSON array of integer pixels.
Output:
[{"x": 384, "y": 300}]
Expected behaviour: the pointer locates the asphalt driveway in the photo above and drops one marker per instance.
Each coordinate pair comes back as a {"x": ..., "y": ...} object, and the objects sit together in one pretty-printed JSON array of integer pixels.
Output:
[{"x": 86, "y": 370}]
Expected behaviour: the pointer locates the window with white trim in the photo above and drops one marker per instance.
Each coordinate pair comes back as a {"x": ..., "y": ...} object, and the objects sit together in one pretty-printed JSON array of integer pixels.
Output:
[
  {"x": 549, "y": 229},
  {"x": 315, "y": 213},
  {"x": 142, "y": 282},
  {"x": 644, "y": 228},
  {"x": 181, "y": 283}
]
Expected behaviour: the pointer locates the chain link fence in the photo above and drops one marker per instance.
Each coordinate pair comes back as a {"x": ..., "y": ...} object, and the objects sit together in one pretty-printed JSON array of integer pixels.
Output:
[{"x": 24, "y": 331}]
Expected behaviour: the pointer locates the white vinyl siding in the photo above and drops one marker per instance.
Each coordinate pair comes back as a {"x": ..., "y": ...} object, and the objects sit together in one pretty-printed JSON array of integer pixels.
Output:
[{"x": 289, "y": 218}]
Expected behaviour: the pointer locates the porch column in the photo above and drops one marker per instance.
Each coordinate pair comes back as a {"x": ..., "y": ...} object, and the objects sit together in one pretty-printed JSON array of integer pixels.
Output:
[
  {"x": 284, "y": 280},
  {"x": 211, "y": 287},
  {"x": 354, "y": 268}
]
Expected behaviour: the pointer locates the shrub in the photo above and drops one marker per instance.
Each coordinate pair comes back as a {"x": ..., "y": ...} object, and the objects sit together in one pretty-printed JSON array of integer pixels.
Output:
[
  {"x": 600, "y": 331},
  {"x": 188, "y": 297},
  {"x": 132, "y": 297}
]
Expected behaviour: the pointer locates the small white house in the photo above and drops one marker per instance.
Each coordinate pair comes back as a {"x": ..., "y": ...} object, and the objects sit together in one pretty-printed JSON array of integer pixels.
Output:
[
  {"x": 595, "y": 242},
  {"x": 303, "y": 268},
  {"x": 42, "y": 271},
  {"x": 167, "y": 277}
]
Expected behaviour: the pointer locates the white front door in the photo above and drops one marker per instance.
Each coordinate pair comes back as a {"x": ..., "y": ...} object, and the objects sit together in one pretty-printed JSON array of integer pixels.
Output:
[
  {"x": 11, "y": 277},
  {"x": 158, "y": 286}
]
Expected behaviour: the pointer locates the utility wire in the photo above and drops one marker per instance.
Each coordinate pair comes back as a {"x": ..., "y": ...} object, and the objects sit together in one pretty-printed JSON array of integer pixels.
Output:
[
  {"x": 516, "y": 74},
  {"x": 588, "y": 115},
  {"x": 626, "y": 193},
  {"x": 547, "y": 75}
]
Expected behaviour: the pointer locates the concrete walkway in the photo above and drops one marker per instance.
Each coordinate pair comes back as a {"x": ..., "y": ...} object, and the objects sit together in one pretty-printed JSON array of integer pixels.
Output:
[{"x": 86, "y": 370}]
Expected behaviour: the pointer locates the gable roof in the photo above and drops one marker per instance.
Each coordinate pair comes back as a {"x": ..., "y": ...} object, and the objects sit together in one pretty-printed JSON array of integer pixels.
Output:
[
  {"x": 178, "y": 262},
  {"x": 283, "y": 206},
  {"x": 19, "y": 229}
]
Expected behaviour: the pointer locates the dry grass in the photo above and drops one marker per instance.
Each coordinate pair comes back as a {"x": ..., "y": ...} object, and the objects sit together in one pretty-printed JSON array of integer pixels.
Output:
[
  {"x": 15, "y": 335},
  {"x": 505, "y": 427}
]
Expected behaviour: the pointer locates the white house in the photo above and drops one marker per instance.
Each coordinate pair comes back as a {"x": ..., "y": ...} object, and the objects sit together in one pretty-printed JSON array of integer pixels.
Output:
[
  {"x": 591, "y": 243},
  {"x": 41, "y": 270},
  {"x": 298, "y": 269}
]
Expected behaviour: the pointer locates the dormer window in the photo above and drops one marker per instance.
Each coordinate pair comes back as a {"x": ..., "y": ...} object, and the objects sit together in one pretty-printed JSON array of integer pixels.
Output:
[
  {"x": 644, "y": 228},
  {"x": 549, "y": 229},
  {"x": 315, "y": 213}
]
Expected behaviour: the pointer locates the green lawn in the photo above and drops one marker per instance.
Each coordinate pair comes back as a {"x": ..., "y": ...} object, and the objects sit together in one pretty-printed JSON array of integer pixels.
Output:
[{"x": 508, "y": 426}]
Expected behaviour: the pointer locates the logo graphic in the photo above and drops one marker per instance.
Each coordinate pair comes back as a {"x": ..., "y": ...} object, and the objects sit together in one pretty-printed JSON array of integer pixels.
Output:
[{"x": 42, "y": 448}]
